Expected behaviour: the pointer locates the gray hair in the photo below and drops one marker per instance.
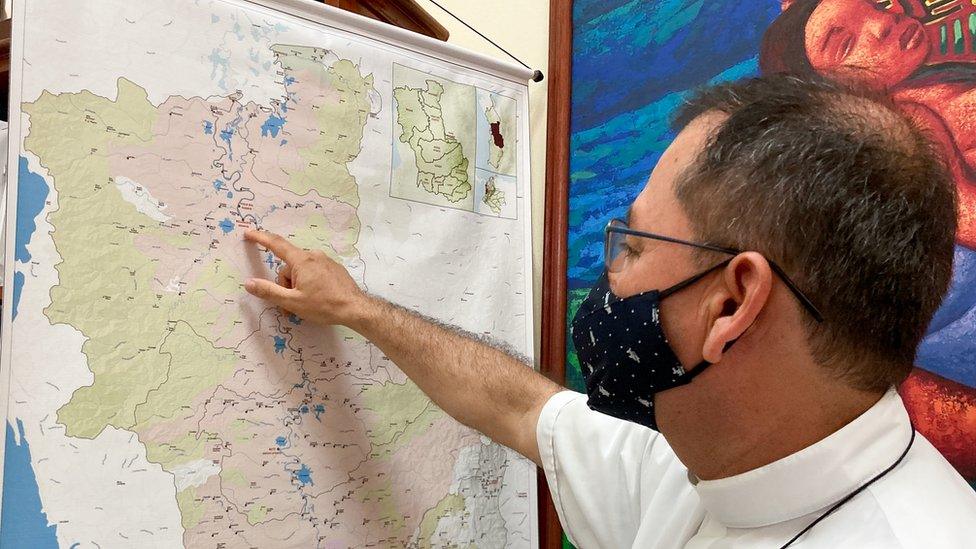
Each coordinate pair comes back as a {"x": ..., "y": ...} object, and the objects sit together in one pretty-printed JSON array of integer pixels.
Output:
[{"x": 847, "y": 194}]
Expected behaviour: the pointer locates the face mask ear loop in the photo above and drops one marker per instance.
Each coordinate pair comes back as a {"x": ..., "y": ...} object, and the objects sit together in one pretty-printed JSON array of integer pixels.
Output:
[
  {"x": 704, "y": 364},
  {"x": 688, "y": 282}
]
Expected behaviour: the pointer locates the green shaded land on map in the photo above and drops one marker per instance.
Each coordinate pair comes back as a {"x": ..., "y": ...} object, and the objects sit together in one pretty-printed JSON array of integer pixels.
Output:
[{"x": 441, "y": 163}]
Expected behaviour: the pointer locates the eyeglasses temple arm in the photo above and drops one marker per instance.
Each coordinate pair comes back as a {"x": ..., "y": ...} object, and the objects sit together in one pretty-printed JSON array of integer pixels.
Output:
[
  {"x": 709, "y": 247},
  {"x": 807, "y": 304}
]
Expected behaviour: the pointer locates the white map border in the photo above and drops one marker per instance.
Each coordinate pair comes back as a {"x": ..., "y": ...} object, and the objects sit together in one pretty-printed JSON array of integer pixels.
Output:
[{"x": 335, "y": 20}]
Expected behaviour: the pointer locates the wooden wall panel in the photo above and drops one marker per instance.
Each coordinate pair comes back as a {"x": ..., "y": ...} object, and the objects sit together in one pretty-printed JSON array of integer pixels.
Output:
[
  {"x": 402, "y": 13},
  {"x": 553, "y": 349}
]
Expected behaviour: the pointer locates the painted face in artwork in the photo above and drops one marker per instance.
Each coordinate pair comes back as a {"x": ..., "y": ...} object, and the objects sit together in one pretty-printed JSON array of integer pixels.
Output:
[{"x": 856, "y": 39}]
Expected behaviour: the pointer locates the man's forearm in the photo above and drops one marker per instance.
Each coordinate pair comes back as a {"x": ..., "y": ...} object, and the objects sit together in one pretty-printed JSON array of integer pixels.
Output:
[{"x": 478, "y": 384}]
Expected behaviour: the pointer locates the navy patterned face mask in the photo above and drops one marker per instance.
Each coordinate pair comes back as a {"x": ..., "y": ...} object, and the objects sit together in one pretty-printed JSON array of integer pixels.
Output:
[{"x": 625, "y": 357}]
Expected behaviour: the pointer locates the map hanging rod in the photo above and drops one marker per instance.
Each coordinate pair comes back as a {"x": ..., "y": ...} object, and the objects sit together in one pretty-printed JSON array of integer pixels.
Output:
[{"x": 537, "y": 75}]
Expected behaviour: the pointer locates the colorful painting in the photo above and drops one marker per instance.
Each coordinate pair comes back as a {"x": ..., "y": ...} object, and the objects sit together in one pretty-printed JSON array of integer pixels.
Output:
[{"x": 634, "y": 62}]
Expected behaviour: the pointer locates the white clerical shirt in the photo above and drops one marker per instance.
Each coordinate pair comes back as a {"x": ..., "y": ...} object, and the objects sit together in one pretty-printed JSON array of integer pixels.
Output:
[{"x": 617, "y": 484}]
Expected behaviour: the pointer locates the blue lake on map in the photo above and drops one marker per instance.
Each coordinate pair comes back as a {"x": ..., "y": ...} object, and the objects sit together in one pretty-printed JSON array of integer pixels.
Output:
[
  {"x": 226, "y": 135},
  {"x": 18, "y": 288},
  {"x": 272, "y": 126},
  {"x": 32, "y": 192},
  {"x": 304, "y": 475},
  {"x": 23, "y": 522}
]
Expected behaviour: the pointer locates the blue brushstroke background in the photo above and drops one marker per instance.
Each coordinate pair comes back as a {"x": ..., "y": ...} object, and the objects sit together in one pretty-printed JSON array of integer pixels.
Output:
[{"x": 633, "y": 62}]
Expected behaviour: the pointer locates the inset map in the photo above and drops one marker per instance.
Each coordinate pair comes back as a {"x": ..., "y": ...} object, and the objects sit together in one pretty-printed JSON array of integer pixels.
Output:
[
  {"x": 494, "y": 194},
  {"x": 433, "y": 139},
  {"x": 497, "y": 128}
]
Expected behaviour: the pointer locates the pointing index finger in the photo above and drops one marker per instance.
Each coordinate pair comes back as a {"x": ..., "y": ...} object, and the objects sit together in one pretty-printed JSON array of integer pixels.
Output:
[{"x": 276, "y": 243}]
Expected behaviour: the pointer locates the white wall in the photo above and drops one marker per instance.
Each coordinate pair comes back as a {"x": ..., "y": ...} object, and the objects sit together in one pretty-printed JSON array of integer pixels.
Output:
[{"x": 521, "y": 27}]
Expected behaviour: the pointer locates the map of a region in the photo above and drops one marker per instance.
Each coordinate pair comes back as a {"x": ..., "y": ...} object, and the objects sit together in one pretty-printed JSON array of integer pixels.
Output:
[
  {"x": 500, "y": 115},
  {"x": 447, "y": 134},
  {"x": 442, "y": 168},
  {"x": 165, "y": 407},
  {"x": 494, "y": 198},
  {"x": 435, "y": 139},
  {"x": 497, "y": 135},
  {"x": 494, "y": 194},
  {"x": 497, "y": 143}
]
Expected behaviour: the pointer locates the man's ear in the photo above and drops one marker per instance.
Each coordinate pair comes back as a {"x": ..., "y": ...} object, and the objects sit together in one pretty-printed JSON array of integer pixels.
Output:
[{"x": 735, "y": 302}]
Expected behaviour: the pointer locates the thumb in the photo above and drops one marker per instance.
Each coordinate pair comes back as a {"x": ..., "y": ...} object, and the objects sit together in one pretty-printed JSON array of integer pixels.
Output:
[{"x": 265, "y": 289}]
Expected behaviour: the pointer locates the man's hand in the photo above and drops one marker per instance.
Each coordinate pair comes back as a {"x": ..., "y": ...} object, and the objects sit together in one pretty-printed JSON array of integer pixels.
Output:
[
  {"x": 310, "y": 284},
  {"x": 475, "y": 382}
]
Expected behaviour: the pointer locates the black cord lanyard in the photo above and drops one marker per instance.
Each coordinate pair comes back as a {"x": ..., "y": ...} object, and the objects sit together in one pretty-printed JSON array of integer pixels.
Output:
[{"x": 850, "y": 496}]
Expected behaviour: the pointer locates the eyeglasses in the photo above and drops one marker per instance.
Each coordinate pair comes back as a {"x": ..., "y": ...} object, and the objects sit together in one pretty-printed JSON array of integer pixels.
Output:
[{"x": 618, "y": 255}]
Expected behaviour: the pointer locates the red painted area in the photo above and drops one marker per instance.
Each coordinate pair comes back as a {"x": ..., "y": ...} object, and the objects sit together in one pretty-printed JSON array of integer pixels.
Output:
[
  {"x": 496, "y": 135},
  {"x": 909, "y": 50},
  {"x": 913, "y": 51},
  {"x": 945, "y": 413}
]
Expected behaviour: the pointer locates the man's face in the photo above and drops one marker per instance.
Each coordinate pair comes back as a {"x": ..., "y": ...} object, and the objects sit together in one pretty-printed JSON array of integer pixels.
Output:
[{"x": 658, "y": 264}]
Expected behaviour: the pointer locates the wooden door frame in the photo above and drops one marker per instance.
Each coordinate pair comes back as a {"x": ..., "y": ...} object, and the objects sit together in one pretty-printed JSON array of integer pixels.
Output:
[{"x": 552, "y": 357}]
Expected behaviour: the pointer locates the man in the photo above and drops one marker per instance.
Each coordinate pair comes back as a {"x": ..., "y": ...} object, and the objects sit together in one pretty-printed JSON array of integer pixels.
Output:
[{"x": 768, "y": 290}]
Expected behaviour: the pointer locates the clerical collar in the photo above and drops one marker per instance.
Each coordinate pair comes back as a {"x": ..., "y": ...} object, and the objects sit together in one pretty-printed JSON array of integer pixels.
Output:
[{"x": 814, "y": 477}]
